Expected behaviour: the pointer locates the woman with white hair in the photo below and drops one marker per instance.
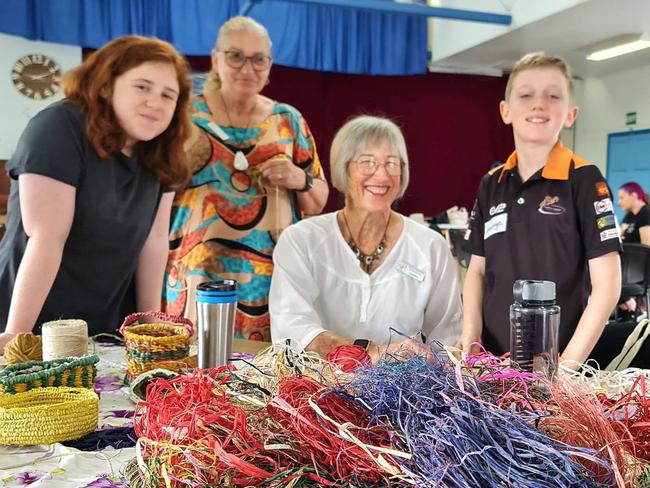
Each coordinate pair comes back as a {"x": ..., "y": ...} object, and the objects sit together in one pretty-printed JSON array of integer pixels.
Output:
[
  {"x": 353, "y": 275},
  {"x": 255, "y": 172}
]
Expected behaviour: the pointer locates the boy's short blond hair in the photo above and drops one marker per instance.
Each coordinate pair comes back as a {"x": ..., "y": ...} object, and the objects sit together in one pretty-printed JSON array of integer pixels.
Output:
[{"x": 540, "y": 59}]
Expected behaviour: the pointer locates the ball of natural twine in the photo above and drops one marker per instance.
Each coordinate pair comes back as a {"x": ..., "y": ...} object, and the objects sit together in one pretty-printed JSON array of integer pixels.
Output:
[
  {"x": 24, "y": 347},
  {"x": 64, "y": 338}
]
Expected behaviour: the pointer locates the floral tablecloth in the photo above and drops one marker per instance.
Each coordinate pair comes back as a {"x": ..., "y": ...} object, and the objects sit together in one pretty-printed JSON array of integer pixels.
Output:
[{"x": 59, "y": 466}]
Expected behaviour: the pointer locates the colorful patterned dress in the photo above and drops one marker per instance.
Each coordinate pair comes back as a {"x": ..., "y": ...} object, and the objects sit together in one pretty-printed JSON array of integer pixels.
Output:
[{"x": 226, "y": 222}]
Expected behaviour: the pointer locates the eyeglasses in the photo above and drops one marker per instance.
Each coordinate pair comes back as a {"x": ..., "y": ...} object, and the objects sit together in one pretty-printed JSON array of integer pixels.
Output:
[
  {"x": 237, "y": 60},
  {"x": 369, "y": 166}
]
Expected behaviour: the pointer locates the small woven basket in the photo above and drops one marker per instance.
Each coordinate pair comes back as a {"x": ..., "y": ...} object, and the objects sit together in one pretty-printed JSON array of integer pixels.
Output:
[
  {"x": 47, "y": 415},
  {"x": 72, "y": 372},
  {"x": 163, "y": 344}
]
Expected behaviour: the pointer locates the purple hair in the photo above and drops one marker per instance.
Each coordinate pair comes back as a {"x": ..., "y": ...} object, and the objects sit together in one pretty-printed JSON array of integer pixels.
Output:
[{"x": 632, "y": 187}]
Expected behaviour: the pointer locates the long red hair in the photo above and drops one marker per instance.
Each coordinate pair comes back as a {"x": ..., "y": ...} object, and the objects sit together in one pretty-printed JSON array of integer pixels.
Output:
[{"x": 90, "y": 86}]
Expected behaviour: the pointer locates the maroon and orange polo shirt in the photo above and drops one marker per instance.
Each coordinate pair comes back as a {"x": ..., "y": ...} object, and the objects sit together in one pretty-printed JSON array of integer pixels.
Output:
[{"x": 546, "y": 228}]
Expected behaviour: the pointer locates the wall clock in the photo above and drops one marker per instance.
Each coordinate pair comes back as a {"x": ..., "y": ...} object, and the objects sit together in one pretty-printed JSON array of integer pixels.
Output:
[{"x": 36, "y": 76}]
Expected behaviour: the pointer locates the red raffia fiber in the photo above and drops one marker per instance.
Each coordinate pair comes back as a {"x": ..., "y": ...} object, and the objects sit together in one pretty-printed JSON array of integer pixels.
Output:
[
  {"x": 576, "y": 419},
  {"x": 221, "y": 438},
  {"x": 341, "y": 458},
  {"x": 630, "y": 417},
  {"x": 348, "y": 357}
]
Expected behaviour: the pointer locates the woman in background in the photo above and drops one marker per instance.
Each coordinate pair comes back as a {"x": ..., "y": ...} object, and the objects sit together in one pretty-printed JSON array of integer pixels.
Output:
[
  {"x": 635, "y": 228},
  {"x": 91, "y": 191},
  {"x": 256, "y": 171}
]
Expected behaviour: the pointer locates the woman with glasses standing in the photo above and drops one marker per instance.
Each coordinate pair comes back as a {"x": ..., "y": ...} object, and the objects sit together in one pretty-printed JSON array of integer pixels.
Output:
[
  {"x": 256, "y": 171},
  {"x": 350, "y": 276}
]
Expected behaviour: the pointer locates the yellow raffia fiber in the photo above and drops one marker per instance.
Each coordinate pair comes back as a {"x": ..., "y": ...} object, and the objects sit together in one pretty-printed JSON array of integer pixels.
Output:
[{"x": 47, "y": 415}]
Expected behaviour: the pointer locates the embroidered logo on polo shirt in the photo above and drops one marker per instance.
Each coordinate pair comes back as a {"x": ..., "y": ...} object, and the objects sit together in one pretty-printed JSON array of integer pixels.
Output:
[
  {"x": 495, "y": 209},
  {"x": 603, "y": 206},
  {"x": 601, "y": 189},
  {"x": 609, "y": 234},
  {"x": 606, "y": 221},
  {"x": 549, "y": 206}
]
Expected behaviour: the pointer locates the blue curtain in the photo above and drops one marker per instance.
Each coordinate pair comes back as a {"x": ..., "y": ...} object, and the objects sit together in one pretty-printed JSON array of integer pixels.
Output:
[{"x": 306, "y": 36}]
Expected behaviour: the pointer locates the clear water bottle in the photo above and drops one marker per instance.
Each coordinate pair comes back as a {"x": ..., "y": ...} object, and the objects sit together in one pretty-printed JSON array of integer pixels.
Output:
[
  {"x": 216, "y": 306},
  {"x": 534, "y": 326}
]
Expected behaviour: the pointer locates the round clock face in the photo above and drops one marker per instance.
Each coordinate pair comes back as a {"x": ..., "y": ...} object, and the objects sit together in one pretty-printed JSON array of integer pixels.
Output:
[{"x": 36, "y": 76}]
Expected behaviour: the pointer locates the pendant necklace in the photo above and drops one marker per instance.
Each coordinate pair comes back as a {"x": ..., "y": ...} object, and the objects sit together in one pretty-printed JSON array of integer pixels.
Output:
[
  {"x": 240, "y": 163},
  {"x": 366, "y": 260}
]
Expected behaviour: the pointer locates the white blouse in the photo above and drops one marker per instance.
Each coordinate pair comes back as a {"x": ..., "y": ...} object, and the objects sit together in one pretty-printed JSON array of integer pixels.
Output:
[{"x": 318, "y": 286}]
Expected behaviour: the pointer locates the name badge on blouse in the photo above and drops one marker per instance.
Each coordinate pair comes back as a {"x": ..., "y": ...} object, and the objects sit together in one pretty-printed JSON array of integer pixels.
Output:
[
  {"x": 496, "y": 225},
  {"x": 411, "y": 271},
  {"x": 218, "y": 131}
]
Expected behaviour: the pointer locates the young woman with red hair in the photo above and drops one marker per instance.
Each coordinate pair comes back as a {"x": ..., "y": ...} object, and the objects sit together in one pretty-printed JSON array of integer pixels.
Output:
[{"x": 92, "y": 186}]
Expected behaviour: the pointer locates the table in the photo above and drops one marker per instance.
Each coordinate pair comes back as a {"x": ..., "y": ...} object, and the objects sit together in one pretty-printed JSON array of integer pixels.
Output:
[{"x": 59, "y": 466}]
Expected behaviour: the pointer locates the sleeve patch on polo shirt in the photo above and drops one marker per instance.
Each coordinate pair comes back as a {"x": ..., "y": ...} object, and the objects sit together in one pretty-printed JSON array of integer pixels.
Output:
[
  {"x": 496, "y": 225},
  {"x": 601, "y": 189},
  {"x": 606, "y": 221},
  {"x": 603, "y": 206},
  {"x": 608, "y": 234}
]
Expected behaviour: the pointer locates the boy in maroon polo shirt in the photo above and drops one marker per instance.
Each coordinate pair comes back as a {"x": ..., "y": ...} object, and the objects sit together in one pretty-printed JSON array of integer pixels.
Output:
[{"x": 546, "y": 214}]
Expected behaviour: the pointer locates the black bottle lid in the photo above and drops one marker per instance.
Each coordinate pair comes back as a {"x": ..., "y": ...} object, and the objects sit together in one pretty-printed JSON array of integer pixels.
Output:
[{"x": 218, "y": 286}]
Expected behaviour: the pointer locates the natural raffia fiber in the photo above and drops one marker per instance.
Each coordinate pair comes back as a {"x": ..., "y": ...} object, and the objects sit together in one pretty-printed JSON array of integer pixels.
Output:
[
  {"x": 47, "y": 415},
  {"x": 162, "y": 344},
  {"x": 72, "y": 372},
  {"x": 24, "y": 347}
]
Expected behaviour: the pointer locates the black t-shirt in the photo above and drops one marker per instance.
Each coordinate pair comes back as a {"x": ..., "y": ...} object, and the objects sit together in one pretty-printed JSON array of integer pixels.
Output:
[
  {"x": 634, "y": 223},
  {"x": 115, "y": 206},
  {"x": 546, "y": 228}
]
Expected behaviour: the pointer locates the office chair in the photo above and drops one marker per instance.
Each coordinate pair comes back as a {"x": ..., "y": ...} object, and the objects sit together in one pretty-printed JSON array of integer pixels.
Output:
[
  {"x": 635, "y": 270},
  {"x": 635, "y": 273}
]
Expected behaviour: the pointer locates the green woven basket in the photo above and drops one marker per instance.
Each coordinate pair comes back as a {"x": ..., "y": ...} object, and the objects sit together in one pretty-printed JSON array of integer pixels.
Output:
[{"x": 72, "y": 372}]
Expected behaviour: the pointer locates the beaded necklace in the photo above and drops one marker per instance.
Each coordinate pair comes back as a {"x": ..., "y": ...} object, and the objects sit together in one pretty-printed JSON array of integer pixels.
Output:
[{"x": 366, "y": 260}]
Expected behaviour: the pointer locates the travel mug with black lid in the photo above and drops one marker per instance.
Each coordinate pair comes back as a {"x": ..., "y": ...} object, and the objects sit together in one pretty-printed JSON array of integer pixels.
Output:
[{"x": 216, "y": 306}]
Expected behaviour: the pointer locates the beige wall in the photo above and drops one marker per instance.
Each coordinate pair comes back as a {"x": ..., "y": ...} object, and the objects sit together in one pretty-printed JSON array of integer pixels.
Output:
[{"x": 606, "y": 100}]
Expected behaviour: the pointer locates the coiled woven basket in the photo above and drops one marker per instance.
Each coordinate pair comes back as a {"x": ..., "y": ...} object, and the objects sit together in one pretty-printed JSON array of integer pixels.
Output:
[
  {"x": 162, "y": 344},
  {"x": 73, "y": 372},
  {"x": 47, "y": 415}
]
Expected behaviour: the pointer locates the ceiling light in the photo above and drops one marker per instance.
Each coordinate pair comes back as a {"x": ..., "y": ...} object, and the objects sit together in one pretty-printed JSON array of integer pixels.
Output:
[{"x": 624, "y": 45}]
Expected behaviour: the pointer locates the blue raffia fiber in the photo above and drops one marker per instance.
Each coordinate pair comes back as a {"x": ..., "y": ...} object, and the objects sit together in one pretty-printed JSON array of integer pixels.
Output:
[{"x": 458, "y": 439}]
